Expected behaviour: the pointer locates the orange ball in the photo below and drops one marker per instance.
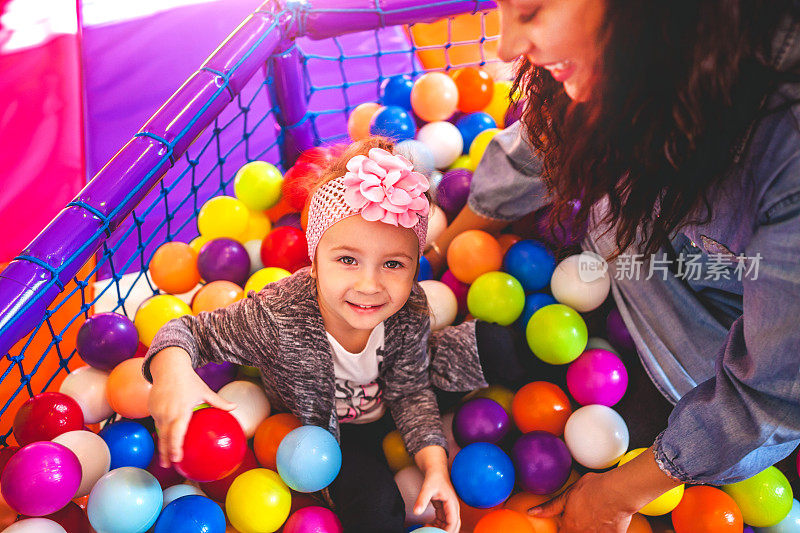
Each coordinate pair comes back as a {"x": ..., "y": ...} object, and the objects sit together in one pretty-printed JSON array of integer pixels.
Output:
[
  {"x": 472, "y": 253},
  {"x": 434, "y": 97},
  {"x": 507, "y": 240},
  {"x": 505, "y": 521},
  {"x": 523, "y": 501},
  {"x": 173, "y": 268},
  {"x": 475, "y": 89},
  {"x": 126, "y": 389},
  {"x": 216, "y": 295},
  {"x": 278, "y": 210},
  {"x": 639, "y": 524},
  {"x": 541, "y": 405},
  {"x": 470, "y": 516},
  {"x": 269, "y": 435},
  {"x": 359, "y": 119},
  {"x": 705, "y": 509}
]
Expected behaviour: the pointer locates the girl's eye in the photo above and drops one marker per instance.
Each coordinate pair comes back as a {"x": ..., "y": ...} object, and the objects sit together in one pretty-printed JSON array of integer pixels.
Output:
[
  {"x": 393, "y": 264},
  {"x": 347, "y": 260},
  {"x": 527, "y": 17}
]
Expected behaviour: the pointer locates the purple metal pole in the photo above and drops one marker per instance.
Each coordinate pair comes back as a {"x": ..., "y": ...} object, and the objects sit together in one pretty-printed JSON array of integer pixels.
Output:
[{"x": 288, "y": 93}]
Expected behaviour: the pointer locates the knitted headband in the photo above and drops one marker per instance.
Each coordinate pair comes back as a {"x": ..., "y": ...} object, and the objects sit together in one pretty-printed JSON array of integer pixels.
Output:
[{"x": 381, "y": 187}]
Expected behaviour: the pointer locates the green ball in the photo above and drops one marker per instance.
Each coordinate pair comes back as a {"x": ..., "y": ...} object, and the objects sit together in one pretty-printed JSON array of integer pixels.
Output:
[
  {"x": 496, "y": 297},
  {"x": 765, "y": 499},
  {"x": 557, "y": 334},
  {"x": 258, "y": 185}
]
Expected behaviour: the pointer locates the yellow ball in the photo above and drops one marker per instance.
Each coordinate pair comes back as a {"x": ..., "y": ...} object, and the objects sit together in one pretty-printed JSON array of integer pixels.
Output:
[
  {"x": 463, "y": 161},
  {"x": 155, "y": 312},
  {"x": 498, "y": 393},
  {"x": 664, "y": 503},
  {"x": 198, "y": 242},
  {"x": 499, "y": 103},
  {"x": 258, "y": 501},
  {"x": 258, "y": 184},
  {"x": 261, "y": 278},
  {"x": 258, "y": 225},
  {"x": 480, "y": 143},
  {"x": 395, "y": 450},
  {"x": 223, "y": 216}
]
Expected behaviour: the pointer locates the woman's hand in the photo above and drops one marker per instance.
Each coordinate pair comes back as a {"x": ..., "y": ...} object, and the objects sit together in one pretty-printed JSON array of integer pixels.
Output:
[{"x": 437, "y": 489}]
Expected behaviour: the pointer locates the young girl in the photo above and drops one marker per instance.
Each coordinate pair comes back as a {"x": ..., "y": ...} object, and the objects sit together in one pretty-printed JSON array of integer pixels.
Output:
[{"x": 340, "y": 343}]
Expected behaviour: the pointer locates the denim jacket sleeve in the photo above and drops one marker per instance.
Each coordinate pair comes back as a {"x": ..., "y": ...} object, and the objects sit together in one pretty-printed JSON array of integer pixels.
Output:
[
  {"x": 747, "y": 417},
  {"x": 507, "y": 184}
]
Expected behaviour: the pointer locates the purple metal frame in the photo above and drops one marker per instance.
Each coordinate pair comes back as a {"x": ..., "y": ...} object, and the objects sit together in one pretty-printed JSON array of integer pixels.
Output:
[{"x": 33, "y": 280}]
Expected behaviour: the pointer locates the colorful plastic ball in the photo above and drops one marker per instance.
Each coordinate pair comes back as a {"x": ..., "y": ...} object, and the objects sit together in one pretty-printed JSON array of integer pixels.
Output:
[
  {"x": 424, "y": 271},
  {"x": 504, "y": 520},
  {"x": 441, "y": 302},
  {"x": 705, "y": 509},
  {"x": 224, "y": 259},
  {"x": 252, "y": 405},
  {"x": 46, "y": 415},
  {"x": 597, "y": 376},
  {"x": 223, "y": 217},
  {"x": 359, "y": 120},
  {"x": 397, "y": 456},
  {"x": 258, "y": 501},
  {"x": 313, "y": 519},
  {"x": 618, "y": 334},
  {"x": 464, "y": 162},
  {"x": 269, "y": 435},
  {"x": 498, "y": 105},
  {"x": 664, "y": 503},
  {"x": 531, "y": 263},
  {"x": 418, "y": 153},
  {"x": 309, "y": 458},
  {"x": 254, "y": 251},
  {"x": 596, "y": 436},
  {"x": 191, "y": 514},
  {"x": 87, "y": 386},
  {"x": 258, "y": 185},
  {"x": 429, "y": 529},
  {"x": 72, "y": 518},
  {"x": 522, "y": 501},
  {"x": 289, "y": 219},
  {"x": 600, "y": 344},
  {"x": 764, "y": 499},
  {"x": 514, "y": 112},
  {"x": 409, "y": 482},
  {"x": 480, "y": 420},
  {"x": 534, "y": 302},
  {"x": 217, "y": 375},
  {"x": 393, "y": 122},
  {"x": 790, "y": 524},
  {"x": 434, "y": 97},
  {"x": 130, "y": 444},
  {"x": 198, "y": 242},
  {"x": 40, "y": 478},
  {"x": 167, "y": 477},
  {"x": 179, "y": 491},
  {"x": 453, "y": 191},
  {"x": 437, "y": 222},
  {"x": 581, "y": 281},
  {"x": 396, "y": 90},
  {"x": 444, "y": 141},
  {"x": 471, "y": 125},
  {"x": 92, "y": 453},
  {"x": 213, "y": 446},
  {"x": 217, "y": 490},
  {"x": 258, "y": 225},
  {"x": 556, "y": 334},
  {"x": 566, "y": 231},
  {"x": 216, "y": 295},
  {"x": 542, "y": 462},
  {"x": 475, "y": 89},
  {"x": 126, "y": 500},
  {"x": 483, "y": 475},
  {"x": 107, "y": 339},
  {"x": 173, "y": 268},
  {"x": 35, "y": 525},
  {"x": 541, "y": 405},
  {"x": 459, "y": 288},
  {"x": 263, "y": 277},
  {"x": 496, "y": 297},
  {"x": 480, "y": 143},
  {"x": 298, "y": 182},
  {"x": 473, "y": 253},
  {"x": 285, "y": 247},
  {"x": 127, "y": 390},
  {"x": 154, "y": 312}
]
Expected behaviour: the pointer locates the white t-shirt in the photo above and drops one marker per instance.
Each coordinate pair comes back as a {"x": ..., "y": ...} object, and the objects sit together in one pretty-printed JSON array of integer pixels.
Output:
[{"x": 358, "y": 395}]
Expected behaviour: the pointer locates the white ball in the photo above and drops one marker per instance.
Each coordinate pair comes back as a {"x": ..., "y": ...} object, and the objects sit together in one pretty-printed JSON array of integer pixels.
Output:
[
  {"x": 409, "y": 481},
  {"x": 437, "y": 223},
  {"x": 596, "y": 436},
  {"x": 252, "y": 405},
  {"x": 87, "y": 386},
  {"x": 442, "y": 303},
  {"x": 35, "y": 525},
  {"x": 444, "y": 140},
  {"x": 93, "y": 455},
  {"x": 178, "y": 491},
  {"x": 581, "y": 281},
  {"x": 602, "y": 344},
  {"x": 254, "y": 251}
]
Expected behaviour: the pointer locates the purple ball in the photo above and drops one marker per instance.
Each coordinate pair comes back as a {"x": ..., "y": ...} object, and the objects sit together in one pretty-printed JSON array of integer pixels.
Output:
[
  {"x": 224, "y": 259},
  {"x": 597, "y": 376},
  {"x": 459, "y": 288},
  {"x": 453, "y": 191},
  {"x": 289, "y": 219},
  {"x": 617, "y": 332},
  {"x": 107, "y": 339},
  {"x": 570, "y": 235},
  {"x": 748, "y": 529},
  {"x": 480, "y": 420},
  {"x": 514, "y": 112},
  {"x": 542, "y": 462},
  {"x": 217, "y": 375},
  {"x": 313, "y": 519}
]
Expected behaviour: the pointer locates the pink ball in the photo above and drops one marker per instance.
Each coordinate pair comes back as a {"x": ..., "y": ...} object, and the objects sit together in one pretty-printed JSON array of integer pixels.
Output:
[
  {"x": 597, "y": 377},
  {"x": 41, "y": 478},
  {"x": 313, "y": 520},
  {"x": 459, "y": 288}
]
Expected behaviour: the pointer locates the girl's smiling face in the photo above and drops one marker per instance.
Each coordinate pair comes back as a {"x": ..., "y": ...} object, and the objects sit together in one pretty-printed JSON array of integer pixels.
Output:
[{"x": 561, "y": 36}]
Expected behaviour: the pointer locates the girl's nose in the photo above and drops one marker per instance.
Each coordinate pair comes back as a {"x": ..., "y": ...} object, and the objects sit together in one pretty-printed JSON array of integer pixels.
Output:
[
  {"x": 513, "y": 41},
  {"x": 367, "y": 283}
]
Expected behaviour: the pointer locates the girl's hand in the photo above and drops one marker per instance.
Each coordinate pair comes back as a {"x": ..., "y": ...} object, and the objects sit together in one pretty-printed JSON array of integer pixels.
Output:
[{"x": 437, "y": 490}]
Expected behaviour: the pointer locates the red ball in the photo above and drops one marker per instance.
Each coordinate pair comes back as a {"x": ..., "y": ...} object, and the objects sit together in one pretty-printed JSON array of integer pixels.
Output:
[
  {"x": 5, "y": 455},
  {"x": 319, "y": 155},
  {"x": 213, "y": 447},
  {"x": 285, "y": 247},
  {"x": 72, "y": 518},
  {"x": 298, "y": 182},
  {"x": 217, "y": 490},
  {"x": 46, "y": 416}
]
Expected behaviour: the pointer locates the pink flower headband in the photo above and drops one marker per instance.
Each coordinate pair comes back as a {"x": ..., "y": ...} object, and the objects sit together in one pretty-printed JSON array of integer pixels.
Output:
[{"x": 380, "y": 187}]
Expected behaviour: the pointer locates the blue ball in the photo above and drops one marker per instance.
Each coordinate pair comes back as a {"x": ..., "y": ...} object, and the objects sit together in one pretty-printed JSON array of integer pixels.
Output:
[
  {"x": 418, "y": 153},
  {"x": 483, "y": 475},
  {"x": 191, "y": 514},
  {"x": 534, "y": 302},
  {"x": 397, "y": 91},
  {"x": 125, "y": 500},
  {"x": 393, "y": 122},
  {"x": 308, "y": 459},
  {"x": 179, "y": 491},
  {"x": 425, "y": 269},
  {"x": 531, "y": 263},
  {"x": 428, "y": 529},
  {"x": 130, "y": 444},
  {"x": 472, "y": 124}
]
